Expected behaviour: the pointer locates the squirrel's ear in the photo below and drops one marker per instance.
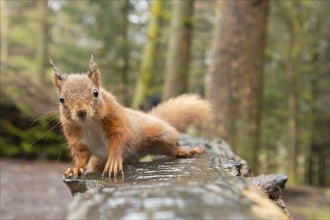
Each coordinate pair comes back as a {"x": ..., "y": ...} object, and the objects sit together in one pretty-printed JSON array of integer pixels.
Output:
[
  {"x": 57, "y": 76},
  {"x": 93, "y": 72}
]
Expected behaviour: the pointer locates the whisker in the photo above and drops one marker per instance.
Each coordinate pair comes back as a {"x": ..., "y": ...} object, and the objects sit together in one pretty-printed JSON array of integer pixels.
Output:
[
  {"x": 42, "y": 116},
  {"x": 61, "y": 146},
  {"x": 59, "y": 155},
  {"x": 51, "y": 129}
]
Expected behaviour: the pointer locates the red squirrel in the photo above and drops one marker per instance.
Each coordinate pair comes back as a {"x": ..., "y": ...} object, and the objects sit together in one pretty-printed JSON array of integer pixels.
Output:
[{"x": 102, "y": 133}]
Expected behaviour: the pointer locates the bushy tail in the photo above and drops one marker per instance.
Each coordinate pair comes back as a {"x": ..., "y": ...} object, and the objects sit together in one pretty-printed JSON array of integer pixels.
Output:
[{"x": 182, "y": 111}]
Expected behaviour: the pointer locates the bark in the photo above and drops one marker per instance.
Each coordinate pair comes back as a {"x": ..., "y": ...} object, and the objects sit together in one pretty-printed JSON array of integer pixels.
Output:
[
  {"x": 205, "y": 187},
  {"x": 149, "y": 55},
  {"x": 237, "y": 73},
  {"x": 177, "y": 61}
]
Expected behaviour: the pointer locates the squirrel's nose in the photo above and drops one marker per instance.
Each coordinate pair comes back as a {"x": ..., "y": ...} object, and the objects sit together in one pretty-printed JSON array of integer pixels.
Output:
[{"x": 82, "y": 114}]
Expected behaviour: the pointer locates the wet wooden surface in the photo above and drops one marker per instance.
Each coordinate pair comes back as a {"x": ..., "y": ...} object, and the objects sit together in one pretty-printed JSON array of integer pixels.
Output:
[{"x": 203, "y": 187}]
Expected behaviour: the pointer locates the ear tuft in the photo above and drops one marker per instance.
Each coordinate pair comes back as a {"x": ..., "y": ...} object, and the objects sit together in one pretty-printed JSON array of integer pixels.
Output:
[
  {"x": 58, "y": 78},
  {"x": 93, "y": 72}
]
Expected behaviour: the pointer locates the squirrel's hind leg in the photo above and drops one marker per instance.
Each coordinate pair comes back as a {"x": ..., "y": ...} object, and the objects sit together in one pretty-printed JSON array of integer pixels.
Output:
[{"x": 165, "y": 140}]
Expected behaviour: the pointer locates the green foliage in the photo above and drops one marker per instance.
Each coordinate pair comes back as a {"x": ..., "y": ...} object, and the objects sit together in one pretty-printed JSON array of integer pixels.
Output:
[
  {"x": 23, "y": 138},
  {"x": 311, "y": 67}
]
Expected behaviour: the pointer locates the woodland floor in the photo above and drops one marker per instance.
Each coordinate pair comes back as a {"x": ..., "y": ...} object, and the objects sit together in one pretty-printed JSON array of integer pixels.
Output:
[{"x": 34, "y": 190}]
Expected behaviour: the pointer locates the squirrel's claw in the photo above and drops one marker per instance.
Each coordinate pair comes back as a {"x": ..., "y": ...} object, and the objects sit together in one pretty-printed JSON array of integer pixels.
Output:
[
  {"x": 82, "y": 171},
  {"x": 68, "y": 173},
  {"x": 113, "y": 168},
  {"x": 73, "y": 172}
]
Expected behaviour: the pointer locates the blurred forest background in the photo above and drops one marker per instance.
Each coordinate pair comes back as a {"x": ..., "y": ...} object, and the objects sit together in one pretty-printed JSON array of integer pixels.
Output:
[{"x": 263, "y": 64}]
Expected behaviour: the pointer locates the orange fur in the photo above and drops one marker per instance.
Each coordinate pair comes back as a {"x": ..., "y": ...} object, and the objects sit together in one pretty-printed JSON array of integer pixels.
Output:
[{"x": 102, "y": 132}]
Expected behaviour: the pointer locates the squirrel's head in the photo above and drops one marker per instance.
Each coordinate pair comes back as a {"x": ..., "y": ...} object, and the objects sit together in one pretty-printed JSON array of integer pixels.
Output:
[{"x": 80, "y": 95}]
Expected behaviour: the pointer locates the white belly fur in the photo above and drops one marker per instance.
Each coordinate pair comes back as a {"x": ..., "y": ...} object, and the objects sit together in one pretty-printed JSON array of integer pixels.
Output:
[{"x": 94, "y": 138}]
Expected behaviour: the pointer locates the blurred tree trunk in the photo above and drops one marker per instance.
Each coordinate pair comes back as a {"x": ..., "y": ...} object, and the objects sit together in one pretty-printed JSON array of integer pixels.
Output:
[
  {"x": 252, "y": 81},
  {"x": 177, "y": 60},
  {"x": 217, "y": 10},
  {"x": 237, "y": 73},
  {"x": 291, "y": 19},
  {"x": 43, "y": 39},
  {"x": 4, "y": 31},
  {"x": 319, "y": 152},
  {"x": 318, "y": 163},
  {"x": 149, "y": 54},
  {"x": 292, "y": 104},
  {"x": 124, "y": 61}
]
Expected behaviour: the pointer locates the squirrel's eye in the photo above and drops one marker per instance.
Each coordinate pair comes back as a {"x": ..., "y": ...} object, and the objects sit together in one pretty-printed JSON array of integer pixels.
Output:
[
  {"x": 95, "y": 93},
  {"x": 61, "y": 99}
]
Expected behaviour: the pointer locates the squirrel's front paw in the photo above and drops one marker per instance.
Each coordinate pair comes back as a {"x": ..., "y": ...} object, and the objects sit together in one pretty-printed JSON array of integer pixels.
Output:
[
  {"x": 113, "y": 167},
  {"x": 73, "y": 172}
]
